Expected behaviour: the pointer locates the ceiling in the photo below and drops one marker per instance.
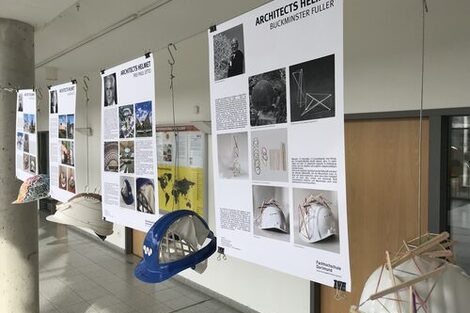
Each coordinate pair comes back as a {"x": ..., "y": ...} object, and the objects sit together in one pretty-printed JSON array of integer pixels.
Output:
[
  {"x": 34, "y": 12},
  {"x": 108, "y": 32}
]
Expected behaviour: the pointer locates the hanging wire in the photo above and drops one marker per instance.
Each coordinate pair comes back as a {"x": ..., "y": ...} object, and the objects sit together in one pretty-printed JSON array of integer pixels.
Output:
[
  {"x": 86, "y": 79},
  {"x": 172, "y": 62},
  {"x": 420, "y": 139}
]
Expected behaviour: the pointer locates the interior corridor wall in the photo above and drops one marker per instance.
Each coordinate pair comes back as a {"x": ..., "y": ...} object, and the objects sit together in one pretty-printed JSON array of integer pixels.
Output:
[{"x": 382, "y": 42}]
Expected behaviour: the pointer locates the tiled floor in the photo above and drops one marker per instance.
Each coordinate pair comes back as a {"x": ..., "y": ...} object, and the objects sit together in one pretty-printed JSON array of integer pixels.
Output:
[{"x": 79, "y": 274}]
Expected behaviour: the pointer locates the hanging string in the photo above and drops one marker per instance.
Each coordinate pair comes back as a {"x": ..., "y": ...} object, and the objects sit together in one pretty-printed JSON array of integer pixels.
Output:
[
  {"x": 86, "y": 79},
  {"x": 175, "y": 130},
  {"x": 420, "y": 136}
]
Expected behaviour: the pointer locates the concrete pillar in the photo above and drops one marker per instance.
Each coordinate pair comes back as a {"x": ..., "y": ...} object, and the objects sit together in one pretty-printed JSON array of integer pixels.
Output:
[{"x": 19, "y": 278}]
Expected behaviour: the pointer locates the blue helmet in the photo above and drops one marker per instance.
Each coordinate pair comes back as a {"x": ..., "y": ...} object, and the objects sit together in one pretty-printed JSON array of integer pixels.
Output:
[{"x": 177, "y": 241}]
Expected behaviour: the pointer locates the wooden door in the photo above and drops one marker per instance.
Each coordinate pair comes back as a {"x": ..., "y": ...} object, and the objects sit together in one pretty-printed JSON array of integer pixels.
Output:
[{"x": 382, "y": 191}]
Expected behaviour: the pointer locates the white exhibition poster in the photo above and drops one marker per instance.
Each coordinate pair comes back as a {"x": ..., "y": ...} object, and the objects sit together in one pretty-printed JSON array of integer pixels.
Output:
[
  {"x": 276, "y": 82},
  {"x": 128, "y": 136},
  {"x": 62, "y": 99},
  {"x": 26, "y": 135}
]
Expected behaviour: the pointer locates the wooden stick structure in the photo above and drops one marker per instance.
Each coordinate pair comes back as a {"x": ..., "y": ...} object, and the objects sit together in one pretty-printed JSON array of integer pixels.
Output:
[
  {"x": 433, "y": 246},
  {"x": 406, "y": 284}
]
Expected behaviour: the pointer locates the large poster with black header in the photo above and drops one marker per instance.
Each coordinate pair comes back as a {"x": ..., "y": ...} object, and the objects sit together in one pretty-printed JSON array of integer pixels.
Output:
[
  {"x": 276, "y": 82},
  {"x": 128, "y": 145},
  {"x": 26, "y": 135},
  {"x": 62, "y": 101}
]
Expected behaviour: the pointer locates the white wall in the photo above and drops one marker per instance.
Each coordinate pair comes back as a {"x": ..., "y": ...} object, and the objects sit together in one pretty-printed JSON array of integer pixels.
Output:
[
  {"x": 382, "y": 43},
  {"x": 382, "y": 73}
]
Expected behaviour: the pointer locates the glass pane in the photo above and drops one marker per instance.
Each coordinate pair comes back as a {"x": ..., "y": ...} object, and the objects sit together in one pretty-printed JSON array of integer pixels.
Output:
[{"x": 459, "y": 188}]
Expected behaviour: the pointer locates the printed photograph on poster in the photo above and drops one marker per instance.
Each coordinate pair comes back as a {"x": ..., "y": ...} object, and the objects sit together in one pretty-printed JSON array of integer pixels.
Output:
[
  {"x": 111, "y": 159},
  {"x": 54, "y": 102},
  {"x": 26, "y": 162},
  {"x": 20, "y": 102},
  {"x": 19, "y": 141},
  {"x": 71, "y": 179},
  {"x": 32, "y": 164},
  {"x": 66, "y": 152},
  {"x": 271, "y": 212},
  {"x": 29, "y": 124},
  {"x": 167, "y": 152},
  {"x": 229, "y": 53},
  {"x": 127, "y": 198},
  {"x": 63, "y": 126},
  {"x": 269, "y": 155},
  {"x": 70, "y": 126},
  {"x": 26, "y": 143},
  {"x": 145, "y": 195},
  {"x": 110, "y": 90},
  {"x": 268, "y": 98},
  {"x": 316, "y": 219},
  {"x": 143, "y": 117},
  {"x": 312, "y": 89},
  {"x": 175, "y": 192},
  {"x": 126, "y": 156},
  {"x": 63, "y": 177},
  {"x": 126, "y": 121},
  {"x": 233, "y": 155}
]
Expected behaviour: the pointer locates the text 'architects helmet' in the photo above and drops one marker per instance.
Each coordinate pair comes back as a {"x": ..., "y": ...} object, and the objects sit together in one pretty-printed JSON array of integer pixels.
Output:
[
  {"x": 177, "y": 241},
  {"x": 83, "y": 210},
  {"x": 316, "y": 220},
  {"x": 34, "y": 188}
]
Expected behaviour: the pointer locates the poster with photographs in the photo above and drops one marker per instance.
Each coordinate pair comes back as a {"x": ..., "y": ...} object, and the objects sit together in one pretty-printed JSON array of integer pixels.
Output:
[
  {"x": 26, "y": 136},
  {"x": 277, "y": 114},
  {"x": 182, "y": 175},
  {"x": 128, "y": 144},
  {"x": 62, "y": 102}
]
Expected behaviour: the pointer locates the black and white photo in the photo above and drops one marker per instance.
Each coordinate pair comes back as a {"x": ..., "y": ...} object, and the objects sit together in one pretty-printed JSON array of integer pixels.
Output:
[
  {"x": 145, "y": 195},
  {"x": 54, "y": 102},
  {"x": 127, "y": 192},
  {"x": 268, "y": 98},
  {"x": 126, "y": 121},
  {"x": 111, "y": 158},
  {"x": 229, "y": 53},
  {"x": 110, "y": 90},
  {"x": 20, "y": 102},
  {"x": 32, "y": 164},
  {"x": 26, "y": 143},
  {"x": 126, "y": 156},
  {"x": 312, "y": 89}
]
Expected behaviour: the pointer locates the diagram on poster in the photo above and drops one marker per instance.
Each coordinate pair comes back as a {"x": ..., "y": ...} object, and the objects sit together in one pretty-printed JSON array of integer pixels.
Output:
[
  {"x": 128, "y": 163},
  {"x": 63, "y": 180},
  {"x": 276, "y": 81},
  {"x": 181, "y": 154},
  {"x": 26, "y": 135}
]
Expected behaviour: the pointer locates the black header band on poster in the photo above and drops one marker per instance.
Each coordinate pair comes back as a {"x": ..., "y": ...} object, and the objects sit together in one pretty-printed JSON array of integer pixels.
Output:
[{"x": 213, "y": 28}]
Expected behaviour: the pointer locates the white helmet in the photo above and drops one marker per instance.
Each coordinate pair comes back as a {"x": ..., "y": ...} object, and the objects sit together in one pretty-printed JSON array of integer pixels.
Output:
[
  {"x": 272, "y": 217},
  {"x": 83, "y": 210},
  {"x": 316, "y": 220}
]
